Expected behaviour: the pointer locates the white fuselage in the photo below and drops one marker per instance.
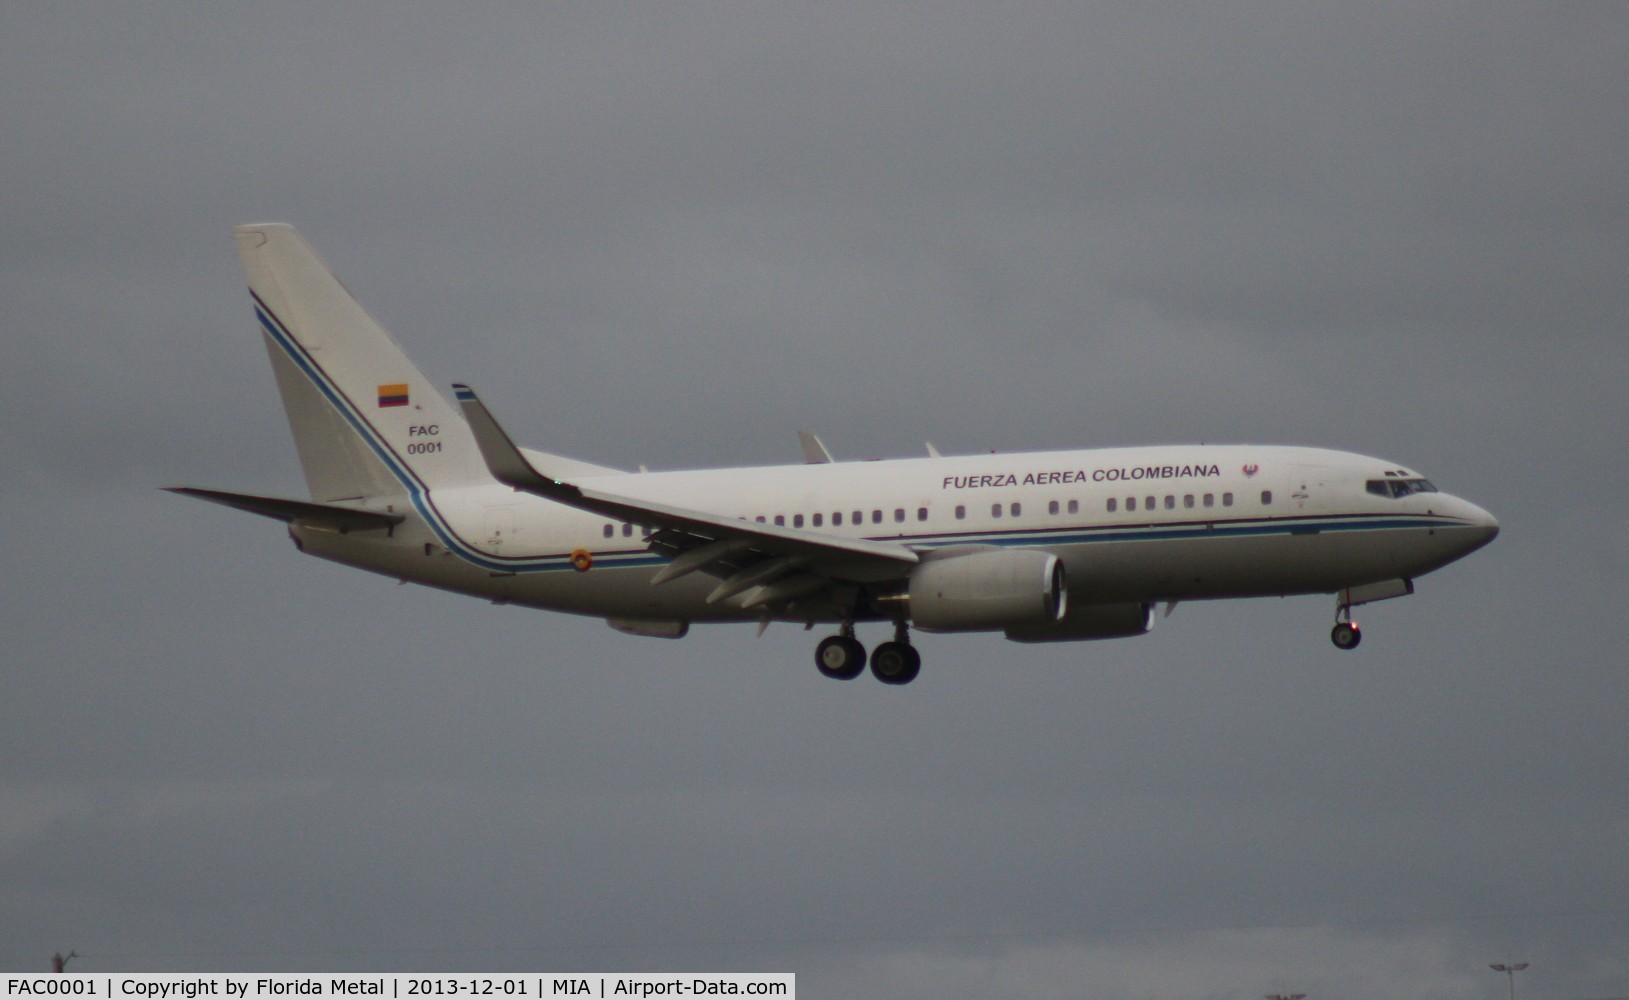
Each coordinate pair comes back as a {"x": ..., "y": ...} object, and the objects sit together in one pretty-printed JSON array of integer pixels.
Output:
[
  {"x": 1043, "y": 547},
  {"x": 1167, "y": 523}
]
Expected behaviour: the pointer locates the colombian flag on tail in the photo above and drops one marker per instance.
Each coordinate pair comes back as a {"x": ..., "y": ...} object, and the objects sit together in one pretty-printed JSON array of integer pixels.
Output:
[{"x": 393, "y": 395}]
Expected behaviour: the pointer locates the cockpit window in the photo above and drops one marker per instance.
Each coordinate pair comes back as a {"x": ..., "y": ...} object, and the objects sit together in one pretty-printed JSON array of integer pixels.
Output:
[{"x": 1395, "y": 488}]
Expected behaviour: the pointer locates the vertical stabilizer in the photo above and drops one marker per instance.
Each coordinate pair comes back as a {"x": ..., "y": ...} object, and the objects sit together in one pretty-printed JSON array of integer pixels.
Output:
[{"x": 366, "y": 421}]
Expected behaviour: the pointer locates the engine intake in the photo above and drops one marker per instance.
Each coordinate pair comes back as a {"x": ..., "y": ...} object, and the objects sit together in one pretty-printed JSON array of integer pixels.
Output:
[{"x": 987, "y": 590}]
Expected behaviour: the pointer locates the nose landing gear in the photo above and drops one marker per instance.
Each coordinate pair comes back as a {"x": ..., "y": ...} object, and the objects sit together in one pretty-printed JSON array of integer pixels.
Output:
[{"x": 1345, "y": 634}]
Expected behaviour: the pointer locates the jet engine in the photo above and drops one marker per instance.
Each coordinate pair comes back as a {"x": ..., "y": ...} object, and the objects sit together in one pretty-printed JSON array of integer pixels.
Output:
[
  {"x": 987, "y": 590},
  {"x": 1090, "y": 621},
  {"x": 653, "y": 629}
]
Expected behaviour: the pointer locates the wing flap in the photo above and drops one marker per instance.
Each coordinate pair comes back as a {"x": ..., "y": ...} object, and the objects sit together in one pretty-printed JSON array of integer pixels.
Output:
[{"x": 701, "y": 557}]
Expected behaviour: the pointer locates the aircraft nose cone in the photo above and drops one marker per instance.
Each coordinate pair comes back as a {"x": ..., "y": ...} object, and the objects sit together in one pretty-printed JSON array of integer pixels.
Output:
[{"x": 1484, "y": 526}]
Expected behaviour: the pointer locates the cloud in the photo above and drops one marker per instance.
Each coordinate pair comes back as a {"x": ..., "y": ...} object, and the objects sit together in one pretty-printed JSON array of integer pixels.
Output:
[{"x": 676, "y": 237}]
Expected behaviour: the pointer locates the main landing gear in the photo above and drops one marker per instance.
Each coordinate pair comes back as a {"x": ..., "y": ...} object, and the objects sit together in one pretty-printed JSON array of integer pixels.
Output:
[{"x": 841, "y": 657}]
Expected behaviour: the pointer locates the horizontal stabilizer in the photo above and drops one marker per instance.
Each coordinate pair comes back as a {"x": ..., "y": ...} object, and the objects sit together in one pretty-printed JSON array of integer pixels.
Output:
[{"x": 342, "y": 519}]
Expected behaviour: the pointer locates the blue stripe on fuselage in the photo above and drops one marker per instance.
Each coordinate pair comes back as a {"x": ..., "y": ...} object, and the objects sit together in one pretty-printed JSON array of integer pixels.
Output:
[
  {"x": 419, "y": 493},
  {"x": 417, "y": 490},
  {"x": 1185, "y": 530}
]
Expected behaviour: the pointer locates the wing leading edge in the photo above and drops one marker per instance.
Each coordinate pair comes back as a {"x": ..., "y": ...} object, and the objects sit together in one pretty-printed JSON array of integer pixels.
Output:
[{"x": 770, "y": 564}]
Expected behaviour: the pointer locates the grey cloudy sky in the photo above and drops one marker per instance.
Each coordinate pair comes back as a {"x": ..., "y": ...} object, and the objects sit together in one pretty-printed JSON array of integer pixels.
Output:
[{"x": 675, "y": 235}]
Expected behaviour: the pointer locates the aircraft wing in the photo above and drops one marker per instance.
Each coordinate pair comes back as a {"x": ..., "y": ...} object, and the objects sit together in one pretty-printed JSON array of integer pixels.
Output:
[
  {"x": 776, "y": 564},
  {"x": 341, "y": 519}
]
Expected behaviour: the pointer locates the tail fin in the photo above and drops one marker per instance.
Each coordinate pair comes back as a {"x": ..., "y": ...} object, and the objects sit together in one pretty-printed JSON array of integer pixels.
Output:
[{"x": 366, "y": 421}]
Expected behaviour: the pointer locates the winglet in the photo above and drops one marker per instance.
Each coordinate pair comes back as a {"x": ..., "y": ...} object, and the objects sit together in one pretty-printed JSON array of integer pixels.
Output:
[
  {"x": 814, "y": 450},
  {"x": 503, "y": 459}
]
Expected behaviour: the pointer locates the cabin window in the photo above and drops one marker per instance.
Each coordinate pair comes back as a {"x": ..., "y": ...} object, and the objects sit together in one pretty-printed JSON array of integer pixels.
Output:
[
  {"x": 899, "y": 515},
  {"x": 1016, "y": 509},
  {"x": 1170, "y": 502},
  {"x": 627, "y": 531},
  {"x": 921, "y": 513},
  {"x": 1227, "y": 499},
  {"x": 995, "y": 510},
  {"x": 1148, "y": 503},
  {"x": 1113, "y": 503},
  {"x": 759, "y": 519},
  {"x": 780, "y": 519},
  {"x": 1266, "y": 497},
  {"x": 961, "y": 512},
  {"x": 818, "y": 520},
  {"x": 876, "y": 517},
  {"x": 1052, "y": 507},
  {"x": 1074, "y": 506},
  {"x": 837, "y": 519},
  {"x": 610, "y": 529},
  {"x": 859, "y": 518},
  {"x": 1131, "y": 503},
  {"x": 1210, "y": 499},
  {"x": 1187, "y": 501}
]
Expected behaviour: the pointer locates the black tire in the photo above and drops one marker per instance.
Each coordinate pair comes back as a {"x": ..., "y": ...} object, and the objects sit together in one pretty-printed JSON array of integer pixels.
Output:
[
  {"x": 895, "y": 663},
  {"x": 1346, "y": 635},
  {"x": 840, "y": 658}
]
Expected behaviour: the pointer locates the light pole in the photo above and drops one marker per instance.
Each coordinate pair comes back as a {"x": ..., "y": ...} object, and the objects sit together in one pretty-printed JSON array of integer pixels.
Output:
[{"x": 1509, "y": 970}]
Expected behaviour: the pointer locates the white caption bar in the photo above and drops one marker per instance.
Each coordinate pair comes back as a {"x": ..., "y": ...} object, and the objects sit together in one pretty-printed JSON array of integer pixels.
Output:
[{"x": 532, "y": 985}]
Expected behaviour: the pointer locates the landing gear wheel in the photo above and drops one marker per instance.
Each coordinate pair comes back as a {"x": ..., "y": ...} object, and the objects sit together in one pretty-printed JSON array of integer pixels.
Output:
[
  {"x": 1345, "y": 635},
  {"x": 895, "y": 663},
  {"x": 840, "y": 657}
]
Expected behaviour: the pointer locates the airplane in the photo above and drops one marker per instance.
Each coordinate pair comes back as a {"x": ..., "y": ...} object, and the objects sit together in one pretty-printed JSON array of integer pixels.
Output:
[{"x": 1043, "y": 547}]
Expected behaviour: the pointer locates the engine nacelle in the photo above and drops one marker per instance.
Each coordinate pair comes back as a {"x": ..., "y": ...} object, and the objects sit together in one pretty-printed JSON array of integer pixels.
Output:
[
  {"x": 1091, "y": 621},
  {"x": 987, "y": 590},
  {"x": 650, "y": 628}
]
